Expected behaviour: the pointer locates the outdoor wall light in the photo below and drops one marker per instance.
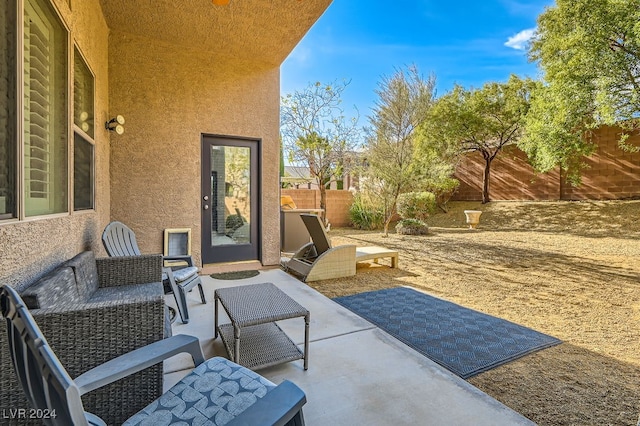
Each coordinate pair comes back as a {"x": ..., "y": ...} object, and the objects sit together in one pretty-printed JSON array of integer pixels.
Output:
[
  {"x": 84, "y": 121},
  {"x": 115, "y": 124}
]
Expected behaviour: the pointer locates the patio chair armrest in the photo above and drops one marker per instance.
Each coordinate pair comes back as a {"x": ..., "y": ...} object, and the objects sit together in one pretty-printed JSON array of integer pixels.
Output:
[
  {"x": 138, "y": 360},
  {"x": 277, "y": 407},
  {"x": 115, "y": 271},
  {"x": 167, "y": 260}
]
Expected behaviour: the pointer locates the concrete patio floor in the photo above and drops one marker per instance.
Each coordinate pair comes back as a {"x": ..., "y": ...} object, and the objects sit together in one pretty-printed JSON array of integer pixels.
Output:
[{"x": 358, "y": 374}]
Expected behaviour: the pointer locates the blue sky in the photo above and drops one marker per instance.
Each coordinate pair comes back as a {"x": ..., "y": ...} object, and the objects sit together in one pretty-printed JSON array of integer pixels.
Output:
[{"x": 460, "y": 41}]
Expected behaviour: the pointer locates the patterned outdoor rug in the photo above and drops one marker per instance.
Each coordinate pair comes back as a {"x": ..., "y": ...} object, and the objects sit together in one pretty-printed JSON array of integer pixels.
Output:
[{"x": 464, "y": 341}]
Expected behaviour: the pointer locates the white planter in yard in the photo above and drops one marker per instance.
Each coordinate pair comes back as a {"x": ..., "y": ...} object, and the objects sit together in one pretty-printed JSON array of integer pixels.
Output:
[{"x": 473, "y": 218}]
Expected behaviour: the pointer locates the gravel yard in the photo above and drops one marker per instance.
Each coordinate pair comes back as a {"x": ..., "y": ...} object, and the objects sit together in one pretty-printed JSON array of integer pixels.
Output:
[{"x": 568, "y": 269}]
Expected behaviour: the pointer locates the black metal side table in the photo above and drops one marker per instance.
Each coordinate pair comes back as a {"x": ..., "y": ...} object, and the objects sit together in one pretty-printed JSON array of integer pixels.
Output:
[{"x": 253, "y": 339}]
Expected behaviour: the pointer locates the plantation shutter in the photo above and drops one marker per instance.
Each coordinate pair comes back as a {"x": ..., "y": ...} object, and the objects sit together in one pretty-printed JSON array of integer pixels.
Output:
[
  {"x": 8, "y": 110},
  {"x": 38, "y": 105}
]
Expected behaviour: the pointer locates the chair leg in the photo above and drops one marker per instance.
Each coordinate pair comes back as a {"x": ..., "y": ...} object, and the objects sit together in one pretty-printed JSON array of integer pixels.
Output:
[
  {"x": 182, "y": 304},
  {"x": 184, "y": 314},
  {"x": 204, "y": 300},
  {"x": 178, "y": 295},
  {"x": 297, "y": 420}
]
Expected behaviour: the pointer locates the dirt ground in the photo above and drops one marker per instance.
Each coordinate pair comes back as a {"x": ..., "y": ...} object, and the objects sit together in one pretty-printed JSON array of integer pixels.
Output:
[{"x": 568, "y": 269}]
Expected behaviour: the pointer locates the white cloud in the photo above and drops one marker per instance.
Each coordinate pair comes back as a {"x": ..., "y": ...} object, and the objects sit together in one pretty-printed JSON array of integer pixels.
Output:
[{"x": 520, "y": 40}]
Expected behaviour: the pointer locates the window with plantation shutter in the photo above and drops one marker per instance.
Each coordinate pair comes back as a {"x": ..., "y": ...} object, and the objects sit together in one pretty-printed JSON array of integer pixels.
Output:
[
  {"x": 8, "y": 110},
  {"x": 45, "y": 105}
]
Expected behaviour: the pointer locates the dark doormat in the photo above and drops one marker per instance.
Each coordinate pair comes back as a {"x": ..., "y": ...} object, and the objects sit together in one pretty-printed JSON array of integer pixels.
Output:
[
  {"x": 238, "y": 275},
  {"x": 464, "y": 341}
]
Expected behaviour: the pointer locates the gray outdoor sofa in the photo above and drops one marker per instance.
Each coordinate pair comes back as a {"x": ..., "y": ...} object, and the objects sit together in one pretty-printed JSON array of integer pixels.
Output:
[{"x": 92, "y": 310}]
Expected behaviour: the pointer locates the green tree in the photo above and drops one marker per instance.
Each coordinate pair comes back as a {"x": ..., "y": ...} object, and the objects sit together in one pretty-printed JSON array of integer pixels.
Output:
[
  {"x": 434, "y": 167},
  {"x": 589, "y": 51},
  {"x": 483, "y": 120},
  {"x": 557, "y": 132},
  {"x": 403, "y": 102},
  {"x": 316, "y": 134}
]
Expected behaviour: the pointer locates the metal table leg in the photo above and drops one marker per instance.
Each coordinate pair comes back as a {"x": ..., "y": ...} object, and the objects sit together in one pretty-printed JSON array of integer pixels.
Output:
[
  {"x": 236, "y": 344},
  {"x": 215, "y": 316},
  {"x": 306, "y": 341}
]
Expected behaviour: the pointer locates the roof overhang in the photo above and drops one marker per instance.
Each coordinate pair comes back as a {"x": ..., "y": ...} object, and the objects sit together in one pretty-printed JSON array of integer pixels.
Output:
[{"x": 262, "y": 31}]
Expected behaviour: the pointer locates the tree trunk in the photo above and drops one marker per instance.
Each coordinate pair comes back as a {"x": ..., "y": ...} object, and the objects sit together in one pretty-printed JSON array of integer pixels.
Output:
[
  {"x": 389, "y": 215},
  {"x": 485, "y": 180},
  {"x": 323, "y": 204}
]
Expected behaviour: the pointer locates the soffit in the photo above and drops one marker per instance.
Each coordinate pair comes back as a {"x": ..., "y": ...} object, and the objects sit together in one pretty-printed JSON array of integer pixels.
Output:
[{"x": 254, "y": 30}]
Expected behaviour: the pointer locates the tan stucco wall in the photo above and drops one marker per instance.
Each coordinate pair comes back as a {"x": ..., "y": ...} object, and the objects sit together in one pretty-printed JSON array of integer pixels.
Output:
[
  {"x": 259, "y": 31},
  {"x": 169, "y": 97},
  {"x": 30, "y": 248}
]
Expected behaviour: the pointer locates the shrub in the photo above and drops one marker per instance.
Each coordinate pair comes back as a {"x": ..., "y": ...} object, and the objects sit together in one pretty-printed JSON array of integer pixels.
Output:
[
  {"x": 233, "y": 222},
  {"x": 416, "y": 205},
  {"x": 412, "y": 227},
  {"x": 364, "y": 215},
  {"x": 444, "y": 190}
]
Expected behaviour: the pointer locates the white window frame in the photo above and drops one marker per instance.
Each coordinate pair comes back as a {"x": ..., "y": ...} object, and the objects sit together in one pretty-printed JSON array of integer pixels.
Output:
[
  {"x": 20, "y": 99},
  {"x": 87, "y": 138}
]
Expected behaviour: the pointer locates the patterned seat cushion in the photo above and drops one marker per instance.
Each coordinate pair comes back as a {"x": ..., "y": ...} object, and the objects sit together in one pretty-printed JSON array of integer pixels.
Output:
[
  {"x": 183, "y": 274},
  {"x": 214, "y": 393},
  {"x": 55, "y": 290}
]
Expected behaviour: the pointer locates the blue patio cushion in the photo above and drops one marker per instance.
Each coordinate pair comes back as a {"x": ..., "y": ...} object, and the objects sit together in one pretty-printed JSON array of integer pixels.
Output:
[
  {"x": 214, "y": 393},
  {"x": 56, "y": 289},
  {"x": 84, "y": 266},
  {"x": 183, "y": 274}
]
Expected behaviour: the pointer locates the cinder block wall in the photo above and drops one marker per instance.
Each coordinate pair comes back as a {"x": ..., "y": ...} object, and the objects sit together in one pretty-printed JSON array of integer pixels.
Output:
[
  {"x": 304, "y": 198},
  {"x": 512, "y": 178},
  {"x": 338, "y": 203},
  {"x": 612, "y": 173}
]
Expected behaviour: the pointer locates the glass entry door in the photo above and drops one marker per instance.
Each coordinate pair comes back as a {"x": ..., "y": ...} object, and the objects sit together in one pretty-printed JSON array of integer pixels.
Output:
[{"x": 230, "y": 200}]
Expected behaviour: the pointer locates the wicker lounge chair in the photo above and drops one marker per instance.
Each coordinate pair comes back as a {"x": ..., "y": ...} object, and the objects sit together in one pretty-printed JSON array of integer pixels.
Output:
[
  {"x": 120, "y": 240},
  {"x": 56, "y": 398},
  {"x": 319, "y": 261}
]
